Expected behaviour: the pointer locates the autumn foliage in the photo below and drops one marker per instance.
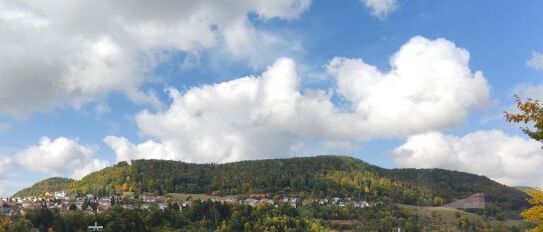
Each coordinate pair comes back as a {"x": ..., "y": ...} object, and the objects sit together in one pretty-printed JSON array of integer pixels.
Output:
[
  {"x": 535, "y": 214},
  {"x": 531, "y": 114}
]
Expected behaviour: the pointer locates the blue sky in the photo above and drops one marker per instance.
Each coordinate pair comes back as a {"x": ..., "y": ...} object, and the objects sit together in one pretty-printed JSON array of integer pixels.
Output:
[{"x": 118, "y": 88}]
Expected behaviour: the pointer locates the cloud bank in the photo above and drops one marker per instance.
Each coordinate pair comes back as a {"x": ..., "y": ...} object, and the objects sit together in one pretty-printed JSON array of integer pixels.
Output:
[
  {"x": 86, "y": 51},
  {"x": 430, "y": 86},
  {"x": 507, "y": 159}
]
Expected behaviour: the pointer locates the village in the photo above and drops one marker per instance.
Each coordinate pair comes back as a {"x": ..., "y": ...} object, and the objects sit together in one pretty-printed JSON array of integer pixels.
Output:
[{"x": 89, "y": 203}]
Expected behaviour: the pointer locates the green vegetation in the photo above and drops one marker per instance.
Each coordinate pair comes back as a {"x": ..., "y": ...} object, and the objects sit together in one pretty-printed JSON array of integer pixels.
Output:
[
  {"x": 502, "y": 201},
  {"x": 322, "y": 176},
  {"x": 216, "y": 216},
  {"x": 531, "y": 115},
  {"x": 308, "y": 177},
  {"x": 50, "y": 185}
]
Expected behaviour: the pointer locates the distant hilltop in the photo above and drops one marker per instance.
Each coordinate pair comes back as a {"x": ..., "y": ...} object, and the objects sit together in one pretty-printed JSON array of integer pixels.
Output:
[
  {"x": 316, "y": 177},
  {"x": 45, "y": 187}
]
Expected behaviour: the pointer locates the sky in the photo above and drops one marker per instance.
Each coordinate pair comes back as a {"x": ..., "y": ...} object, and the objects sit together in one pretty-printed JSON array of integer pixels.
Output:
[{"x": 396, "y": 83}]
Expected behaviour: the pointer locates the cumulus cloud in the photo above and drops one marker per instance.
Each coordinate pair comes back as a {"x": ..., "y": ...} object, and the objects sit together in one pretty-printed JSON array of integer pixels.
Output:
[
  {"x": 536, "y": 62},
  {"x": 430, "y": 86},
  {"x": 147, "y": 150},
  {"x": 381, "y": 8},
  {"x": 59, "y": 157},
  {"x": 52, "y": 56},
  {"x": 507, "y": 159}
]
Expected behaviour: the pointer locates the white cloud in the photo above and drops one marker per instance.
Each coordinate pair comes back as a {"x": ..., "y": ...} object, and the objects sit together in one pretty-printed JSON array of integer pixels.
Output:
[
  {"x": 536, "y": 62},
  {"x": 4, "y": 165},
  {"x": 59, "y": 157},
  {"x": 53, "y": 56},
  {"x": 147, "y": 150},
  {"x": 285, "y": 9},
  {"x": 381, "y": 8},
  {"x": 507, "y": 159},
  {"x": 530, "y": 91},
  {"x": 258, "y": 47},
  {"x": 429, "y": 87}
]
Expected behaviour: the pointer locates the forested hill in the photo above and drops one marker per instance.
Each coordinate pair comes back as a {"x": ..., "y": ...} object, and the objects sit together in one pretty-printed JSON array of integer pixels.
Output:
[
  {"x": 50, "y": 185},
  {"x": 452, "y": 184},
  {"x": 321, "y": 176}
]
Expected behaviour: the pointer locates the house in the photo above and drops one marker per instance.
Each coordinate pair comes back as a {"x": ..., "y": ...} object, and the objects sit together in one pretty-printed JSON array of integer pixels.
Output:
[
  {"x": 322, "y": 201},
  {"x": 148, "y": 199},
  {"x": 361, "y": 204},
  {"x": 5, "y": 209},
  {"x": 250, "y": 201},
  {"x": 102, "y": 208},
  {"x": 162, "y": 205},
  {"x": 104, "y": 201},
  {"x": 60, "y": 195},
  {"x": 267, "y": 201}
]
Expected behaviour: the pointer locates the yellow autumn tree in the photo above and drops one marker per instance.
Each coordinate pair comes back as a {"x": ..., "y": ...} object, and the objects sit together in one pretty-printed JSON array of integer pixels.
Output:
[{"x": 535, "y": 214}]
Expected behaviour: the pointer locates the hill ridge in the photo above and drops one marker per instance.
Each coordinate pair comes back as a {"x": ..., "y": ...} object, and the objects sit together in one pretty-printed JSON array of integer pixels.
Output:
[{"x": 316, "y": 176}]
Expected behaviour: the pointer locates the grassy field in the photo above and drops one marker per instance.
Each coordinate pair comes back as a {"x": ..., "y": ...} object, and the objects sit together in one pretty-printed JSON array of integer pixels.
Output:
[{"x": 449, "y": 218}]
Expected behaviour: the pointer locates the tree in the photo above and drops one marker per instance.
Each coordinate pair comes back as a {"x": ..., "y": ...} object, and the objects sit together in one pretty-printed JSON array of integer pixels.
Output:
[
  {"x": 438, "y": 201},
  {"x": 531, "y": 112},
  {"x": 535, "y": 214}
]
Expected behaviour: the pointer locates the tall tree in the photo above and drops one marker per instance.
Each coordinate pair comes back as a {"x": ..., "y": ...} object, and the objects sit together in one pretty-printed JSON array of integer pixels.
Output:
[{"x": 531, "y": 114}]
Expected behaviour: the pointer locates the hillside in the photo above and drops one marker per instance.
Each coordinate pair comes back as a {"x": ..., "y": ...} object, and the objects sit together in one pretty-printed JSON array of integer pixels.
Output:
[
  {"x": 446, "y": 219},
  {"x": 53, "y": 184},
  {"x": 453, "y": 185},
  {"x": 321, "y": 176}
]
